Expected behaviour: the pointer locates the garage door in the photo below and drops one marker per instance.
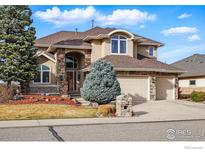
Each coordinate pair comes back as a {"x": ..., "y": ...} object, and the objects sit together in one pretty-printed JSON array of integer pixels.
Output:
[
  {"x": 165, "y": 88},
  {"x": 135, "y": 86}
]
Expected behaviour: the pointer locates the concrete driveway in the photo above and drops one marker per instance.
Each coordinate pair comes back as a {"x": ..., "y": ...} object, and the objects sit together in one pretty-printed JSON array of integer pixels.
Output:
[{"x": 168, "y": 110}]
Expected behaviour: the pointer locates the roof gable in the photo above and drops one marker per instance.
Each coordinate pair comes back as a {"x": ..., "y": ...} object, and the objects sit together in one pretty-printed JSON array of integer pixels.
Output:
[{"x": 194, "y": 65}]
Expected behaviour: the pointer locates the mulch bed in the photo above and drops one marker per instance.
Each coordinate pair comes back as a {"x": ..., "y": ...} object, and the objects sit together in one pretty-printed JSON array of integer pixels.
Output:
[{"x": 39, "y": 99}]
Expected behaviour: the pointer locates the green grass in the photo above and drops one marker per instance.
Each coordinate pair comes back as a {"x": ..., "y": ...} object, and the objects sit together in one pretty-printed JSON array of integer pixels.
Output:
[{"x": 44, "y": 111}]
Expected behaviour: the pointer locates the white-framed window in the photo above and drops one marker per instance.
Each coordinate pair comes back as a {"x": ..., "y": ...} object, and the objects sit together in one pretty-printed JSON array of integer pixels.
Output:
[
  {"x": 43, "y": 75},
  {"x": 71, "y": 62},
  {"x": 192, "y": 82},
  {"x": 118, "y": 44},
  {"x": 151, "y": 51}
]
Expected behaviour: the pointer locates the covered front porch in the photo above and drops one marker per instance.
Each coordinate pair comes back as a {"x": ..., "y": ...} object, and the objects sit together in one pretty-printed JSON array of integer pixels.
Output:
[{"x": 70, "y": 64}]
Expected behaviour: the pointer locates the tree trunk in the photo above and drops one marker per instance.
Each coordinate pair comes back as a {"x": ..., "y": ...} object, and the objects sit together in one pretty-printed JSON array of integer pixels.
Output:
[
  {"x": 24, "y": 87},
  {"x": 8, "y": 85}
]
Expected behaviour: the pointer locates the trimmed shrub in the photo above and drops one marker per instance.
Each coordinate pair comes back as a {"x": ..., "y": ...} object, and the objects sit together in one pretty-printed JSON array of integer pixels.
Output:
[
  {"x": 101, "y": 84},
  {"x": 198, "y": 96},
  {"x": 107, "y": 110}
]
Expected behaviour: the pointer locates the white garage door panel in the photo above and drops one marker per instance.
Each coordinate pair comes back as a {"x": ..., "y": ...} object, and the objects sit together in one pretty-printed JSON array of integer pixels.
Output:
[
  {"x": 165, "y": 88},
  {"x": 137, "y": 87}
]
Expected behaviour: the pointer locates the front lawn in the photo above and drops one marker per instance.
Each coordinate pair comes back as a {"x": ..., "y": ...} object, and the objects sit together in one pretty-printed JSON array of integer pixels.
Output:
[{"x": 44, "y": 111}]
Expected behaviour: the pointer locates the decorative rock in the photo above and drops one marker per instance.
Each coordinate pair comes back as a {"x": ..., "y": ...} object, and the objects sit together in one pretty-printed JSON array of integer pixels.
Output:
[
  {"x": 47, "y": 100},
  {"x": 54, "y": 99},
  {"x": 95, "y": 105},
  {"x": 65, "y": 96},
  {"x": 84, "y": 102}
]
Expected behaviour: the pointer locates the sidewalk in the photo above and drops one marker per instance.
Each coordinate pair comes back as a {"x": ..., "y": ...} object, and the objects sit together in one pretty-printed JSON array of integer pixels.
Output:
[{"x": 84, "y": 121}]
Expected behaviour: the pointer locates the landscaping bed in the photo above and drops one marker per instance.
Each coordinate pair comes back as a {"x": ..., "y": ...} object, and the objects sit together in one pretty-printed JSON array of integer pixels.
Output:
[{"x": 39, "y": 99}]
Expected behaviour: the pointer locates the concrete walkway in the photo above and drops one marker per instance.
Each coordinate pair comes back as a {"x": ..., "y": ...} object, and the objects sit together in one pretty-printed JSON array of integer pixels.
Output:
[{"x": 156, "y": 111}]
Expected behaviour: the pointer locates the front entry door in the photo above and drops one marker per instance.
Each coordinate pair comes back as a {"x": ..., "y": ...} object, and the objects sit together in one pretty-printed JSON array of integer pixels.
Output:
[{"x": 72, "y": 81}]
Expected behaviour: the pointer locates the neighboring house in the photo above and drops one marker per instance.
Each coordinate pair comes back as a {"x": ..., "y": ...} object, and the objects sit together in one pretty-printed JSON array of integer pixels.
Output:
[
  {"x": 194, "y": 78},
  {"x": 65, "y": 57}
]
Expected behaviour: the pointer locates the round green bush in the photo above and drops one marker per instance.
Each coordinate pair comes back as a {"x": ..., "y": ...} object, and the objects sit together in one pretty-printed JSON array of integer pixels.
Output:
[
  {"x": 101, "y": 84},
  {"x": 198, "y": 96}
]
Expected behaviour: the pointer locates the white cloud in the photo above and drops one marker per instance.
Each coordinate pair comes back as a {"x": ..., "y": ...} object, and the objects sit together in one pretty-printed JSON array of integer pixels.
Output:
[
  {"x": 126, "y": 17},
  {"x": 194, "y": 38},
  {"x": 65, "y": 17},
  {"x": 174, "y": 53},
  {"x": 80, "y": 15},
  {"x": 184, "y": 15},
  {"x": 142, "y": 26},
  {"x": 179, "y": 30}
]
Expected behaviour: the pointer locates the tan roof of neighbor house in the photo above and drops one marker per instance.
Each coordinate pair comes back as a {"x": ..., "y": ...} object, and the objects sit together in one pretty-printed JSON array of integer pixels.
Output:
[
  {"x": 194, "y": 65},
  {"x": 73, "y": 38}
]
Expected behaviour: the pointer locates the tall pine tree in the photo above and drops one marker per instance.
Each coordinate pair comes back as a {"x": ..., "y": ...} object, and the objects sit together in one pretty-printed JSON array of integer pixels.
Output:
[{"x": 17, "y": 51}]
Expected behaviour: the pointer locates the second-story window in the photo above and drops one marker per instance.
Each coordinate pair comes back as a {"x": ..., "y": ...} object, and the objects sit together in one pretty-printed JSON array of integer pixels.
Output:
[
  {"x": 118, "y": 44},
  {"x": 151, "y": 51}
]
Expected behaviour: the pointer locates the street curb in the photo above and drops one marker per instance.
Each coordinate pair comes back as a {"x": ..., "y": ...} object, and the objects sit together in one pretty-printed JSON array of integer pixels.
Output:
[{"x": 82, "y": 121}]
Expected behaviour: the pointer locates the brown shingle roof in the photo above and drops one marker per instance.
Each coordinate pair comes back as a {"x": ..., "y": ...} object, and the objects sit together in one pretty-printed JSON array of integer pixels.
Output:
[
  {"x": 194, "y": 65},
  {"x": 71, "y": 35},
  {"x": 124, "y": 62},
  {"x": 74, "y": 42}
]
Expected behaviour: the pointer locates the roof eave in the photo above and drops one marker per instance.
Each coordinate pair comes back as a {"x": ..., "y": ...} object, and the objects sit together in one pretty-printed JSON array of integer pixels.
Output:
[
  {"x": 143, "y": 69},
  {"x": 72, "y": 46}
]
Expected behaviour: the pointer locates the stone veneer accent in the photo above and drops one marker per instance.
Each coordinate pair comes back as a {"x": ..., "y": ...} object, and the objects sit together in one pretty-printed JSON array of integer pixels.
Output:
[
  {"x": 87, "y": 54},
  {"x": 176, "y": 87},
  {"x": 61, "y": 73},
  {"x": 49, "y": 89},
  {"x": 124, "y": 106},
  {"x": 152, "y": 87}
]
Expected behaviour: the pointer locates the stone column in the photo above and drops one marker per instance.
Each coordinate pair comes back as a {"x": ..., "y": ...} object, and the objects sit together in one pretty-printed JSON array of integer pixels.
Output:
[
  {"x": 61, "y": 73},
  {"x": 87, "y": 57},
  {"x": 152, "y": 88},
  {"x": 176, "y": 86}
]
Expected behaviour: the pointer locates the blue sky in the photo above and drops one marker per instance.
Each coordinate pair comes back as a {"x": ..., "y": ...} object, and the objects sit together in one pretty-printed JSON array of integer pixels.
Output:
[{"x": 180, "y": 28}]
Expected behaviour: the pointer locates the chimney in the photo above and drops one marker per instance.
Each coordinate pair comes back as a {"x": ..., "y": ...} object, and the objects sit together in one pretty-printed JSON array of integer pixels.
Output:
[
  {"x": 93, "y": 21},
  {"x": 76, "y": 31}
]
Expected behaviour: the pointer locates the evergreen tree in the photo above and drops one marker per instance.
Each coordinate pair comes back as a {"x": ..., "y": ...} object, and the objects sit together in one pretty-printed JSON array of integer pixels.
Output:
[
  {"x": 101, "y": 84},
  {"x": 17, "y": 51}
]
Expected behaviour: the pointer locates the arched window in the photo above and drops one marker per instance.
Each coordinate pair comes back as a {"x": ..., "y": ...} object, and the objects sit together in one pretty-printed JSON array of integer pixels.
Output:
[
  {"x": 118, "y": 44},
  {"x": 71, "y": 62},
  {"x": 43, "y": 75}
]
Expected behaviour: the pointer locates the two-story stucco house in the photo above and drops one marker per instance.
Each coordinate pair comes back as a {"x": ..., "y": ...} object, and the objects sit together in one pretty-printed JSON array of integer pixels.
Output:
[{"x": 65, "y": 57}]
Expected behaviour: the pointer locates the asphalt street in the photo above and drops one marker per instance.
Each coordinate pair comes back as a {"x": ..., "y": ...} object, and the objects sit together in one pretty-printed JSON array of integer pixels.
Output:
[{"x": 157, "y": 131}]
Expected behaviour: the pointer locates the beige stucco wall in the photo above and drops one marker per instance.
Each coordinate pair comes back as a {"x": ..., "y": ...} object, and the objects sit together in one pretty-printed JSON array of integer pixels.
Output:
[
  {"x": 101, "y": 48},
  {"x": 200, "y": 82},
  {"x": 45, "y": 61},
  {"x": 144, "y": 50},
  {"x": 135, "y": 48},
  {"x": 96, "y": 50}
]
